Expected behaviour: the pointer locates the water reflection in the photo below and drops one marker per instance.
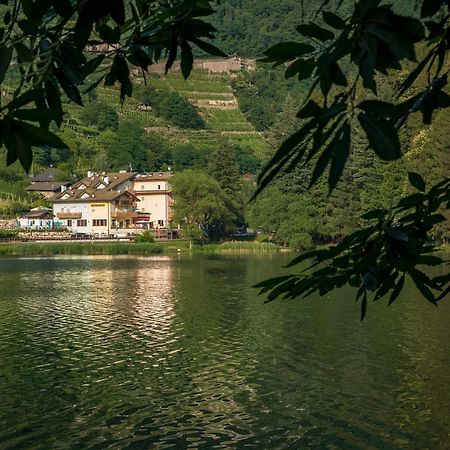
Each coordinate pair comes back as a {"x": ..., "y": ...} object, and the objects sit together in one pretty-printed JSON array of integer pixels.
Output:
[{"x": 161, "y": 352}]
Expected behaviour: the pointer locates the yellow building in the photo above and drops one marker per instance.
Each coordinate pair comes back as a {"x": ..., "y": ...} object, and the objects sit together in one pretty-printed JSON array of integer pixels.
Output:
[{"x": 155, "y": 197}]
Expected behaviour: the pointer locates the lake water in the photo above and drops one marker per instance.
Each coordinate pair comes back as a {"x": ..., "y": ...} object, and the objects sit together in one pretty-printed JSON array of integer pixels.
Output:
[{"x": 180, "y": 352}]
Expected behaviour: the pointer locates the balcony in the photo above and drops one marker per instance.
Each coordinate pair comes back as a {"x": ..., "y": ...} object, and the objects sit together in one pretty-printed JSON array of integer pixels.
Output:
[{"x": 66, "y": 215}]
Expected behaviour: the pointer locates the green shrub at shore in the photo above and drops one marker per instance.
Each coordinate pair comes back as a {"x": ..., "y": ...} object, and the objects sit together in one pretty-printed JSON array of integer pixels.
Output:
[
  {"x": 240, "y": 246},
  {"x": 75, "y": 248},
  {"x": 8, "y": 234}
]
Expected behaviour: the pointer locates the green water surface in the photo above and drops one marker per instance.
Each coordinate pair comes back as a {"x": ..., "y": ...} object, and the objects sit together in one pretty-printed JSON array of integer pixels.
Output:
[{"x": 179, "y": 352}]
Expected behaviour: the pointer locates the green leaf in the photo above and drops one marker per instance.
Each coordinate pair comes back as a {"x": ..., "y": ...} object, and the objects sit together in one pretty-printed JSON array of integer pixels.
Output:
[
  {"x": 382, "y": 136},
  {"x": 272, "y": 282},
  {"x": 419, "y": 281},
  {"x": 208, "y": 48},
  {"x": 17, "y": 145},
  {"x": 25, "y": 99},
  {"x": 63, "y": 8},
  {"x": 431, "y": 7},
  {"x": 333, "y": 20},
  {"x": 68, "y": 87},
  {"x": 368, "y": 62},
  {"x": 429, "y": 260},
  {"x": 92, "y": 65},
  {"x": 117, "y": 10},
  {"x": 411, "y": 200},
  {"x": 172, "y": 52},
  {"x": 337, "y": 76},
  {"x": 303, "y": 67},
  {"x": 303, "y": 257},
  {"x": 397, "y": 290},
  {"x": 288, "y": 50},
  {"x": 374, "y": 214},
  {"x": 416, "y": 181},
  {"x": 435, "y": 219},
  {"x": 414, "y": 74},
  {"x": 312, "y": 30},
  {"x": 7, "y": 18},
  {"x": 24, "y": 54},
  {"x": 39, "y": 136},
  {"x": 369, "y": 281},
  {"x": 53, "y": 97},
  {"x": 187, "y": 59},
  {"x": 341, "y": 152},
  {"x": 109, "y": 34},
  {"x": 364, "y": 306},
  {"x": 323, "y": 161},
  {"x": 5, "y": 61},
  {"x": 36, "y": 115},
  {"x": 311, "y": 109},
  {"x": 397, "y": 234},
  {"x": 378, "y": 109}
]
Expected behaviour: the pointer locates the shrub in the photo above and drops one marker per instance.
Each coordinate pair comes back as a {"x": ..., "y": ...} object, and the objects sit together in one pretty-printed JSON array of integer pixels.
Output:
[{"x": 146, "y": 236}]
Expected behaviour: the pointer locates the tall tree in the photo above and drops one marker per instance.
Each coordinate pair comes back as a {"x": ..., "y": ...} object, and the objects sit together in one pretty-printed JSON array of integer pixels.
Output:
[{"x": 201, "y": 205}]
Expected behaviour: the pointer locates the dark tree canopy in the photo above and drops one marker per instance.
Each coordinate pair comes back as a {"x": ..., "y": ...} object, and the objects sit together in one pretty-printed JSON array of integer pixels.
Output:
[
  {"x": 346, "y": 58},
  {"x": 53, "y": 50}
]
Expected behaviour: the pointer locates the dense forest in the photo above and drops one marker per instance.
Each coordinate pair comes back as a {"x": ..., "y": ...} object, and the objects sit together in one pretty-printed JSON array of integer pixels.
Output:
[
  {"x": 165, "y": 126},
  {"x": 248, "y": 27}
]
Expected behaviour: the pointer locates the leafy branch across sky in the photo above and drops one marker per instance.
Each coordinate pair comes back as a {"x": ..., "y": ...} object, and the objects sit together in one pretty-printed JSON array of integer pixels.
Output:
[
  {"x": 371, "y": 43},
  {"x": 48, "y": 41}
]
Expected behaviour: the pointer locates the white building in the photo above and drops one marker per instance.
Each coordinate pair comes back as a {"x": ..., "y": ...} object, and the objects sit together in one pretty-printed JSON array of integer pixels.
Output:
[
  {"x": 155, "y": 197},
  {"x": 38, "y": 219},
  {"x": 110, "y": 203}
]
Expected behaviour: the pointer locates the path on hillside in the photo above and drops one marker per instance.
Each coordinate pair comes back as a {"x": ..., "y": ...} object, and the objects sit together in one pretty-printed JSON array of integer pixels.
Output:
[{"x": 172, "y": 129}]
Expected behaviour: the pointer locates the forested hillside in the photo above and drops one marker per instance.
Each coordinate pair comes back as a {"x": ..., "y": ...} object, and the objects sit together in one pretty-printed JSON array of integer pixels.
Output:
[{"x": 248, "y": 27}]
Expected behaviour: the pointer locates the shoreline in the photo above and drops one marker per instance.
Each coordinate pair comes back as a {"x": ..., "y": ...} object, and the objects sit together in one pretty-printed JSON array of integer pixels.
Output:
[
  {"x": 130, "y": 248},
  {"x": 50, "y": 248}
]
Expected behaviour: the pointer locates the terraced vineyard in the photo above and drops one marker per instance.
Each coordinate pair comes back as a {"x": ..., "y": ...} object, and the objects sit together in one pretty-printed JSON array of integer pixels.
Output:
[{"x": 211, "y": 93}]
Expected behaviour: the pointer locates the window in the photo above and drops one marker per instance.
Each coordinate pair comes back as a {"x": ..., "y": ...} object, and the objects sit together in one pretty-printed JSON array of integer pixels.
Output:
[
  {"x": 161, "y": 223},
  {"x": 159, "y": 186},
  {"x": 142, "y": 187},
  {"x": 99, "y": 222},
  {"x": 69, "y": 222},
  {"x": 81, "y": 223}
]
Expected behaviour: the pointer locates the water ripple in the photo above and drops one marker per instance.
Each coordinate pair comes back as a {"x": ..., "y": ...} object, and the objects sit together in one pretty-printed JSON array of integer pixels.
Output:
[{"x": 167, "y": 353}]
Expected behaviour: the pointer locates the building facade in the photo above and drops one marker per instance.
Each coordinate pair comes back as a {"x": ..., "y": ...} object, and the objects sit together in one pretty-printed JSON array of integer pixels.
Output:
[
  {"x": 155, "y": 197},
  {"x": 112, "y": 203},
  {"x": 38, "y": 219},
  {"x": 45, "y": 183}
]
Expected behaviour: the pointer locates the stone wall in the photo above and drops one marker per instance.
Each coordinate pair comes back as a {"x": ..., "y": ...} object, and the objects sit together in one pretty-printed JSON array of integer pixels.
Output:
[{"x": 8, "y": 224}]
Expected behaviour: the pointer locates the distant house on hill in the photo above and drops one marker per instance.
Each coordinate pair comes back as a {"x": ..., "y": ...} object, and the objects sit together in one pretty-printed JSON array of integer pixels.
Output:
[
  {"x": 37, "y": 219},
  {"x": 44, "y": 183},
  {"x": 108, "y": 202}
]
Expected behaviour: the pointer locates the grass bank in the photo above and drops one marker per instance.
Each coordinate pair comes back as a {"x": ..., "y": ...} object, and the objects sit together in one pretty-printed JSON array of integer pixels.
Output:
[
  {"x": 239, "y": 246},
  {"x": 75, "y": 248},
  {"x": 129, "y": 248}
]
